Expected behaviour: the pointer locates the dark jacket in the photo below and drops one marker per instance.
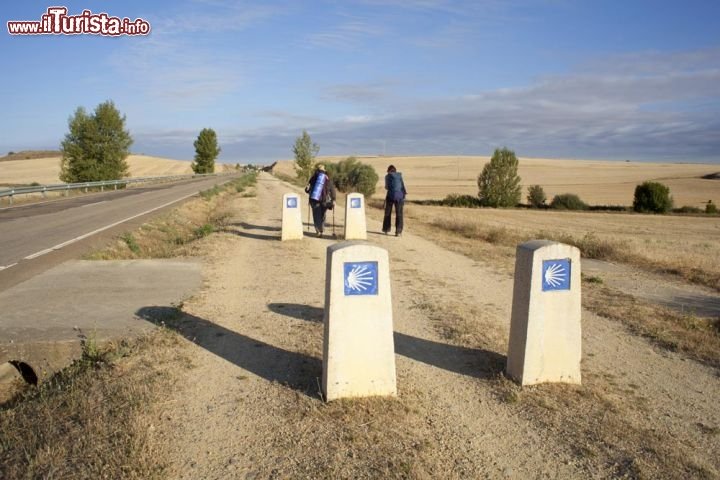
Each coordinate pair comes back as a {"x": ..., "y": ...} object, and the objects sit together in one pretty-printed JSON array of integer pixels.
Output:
[{"x": 395, "y": 186}]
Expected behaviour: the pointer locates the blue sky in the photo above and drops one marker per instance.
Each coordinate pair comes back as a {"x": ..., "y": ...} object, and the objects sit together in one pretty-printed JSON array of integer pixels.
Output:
[{"x": 632, "y": 79}]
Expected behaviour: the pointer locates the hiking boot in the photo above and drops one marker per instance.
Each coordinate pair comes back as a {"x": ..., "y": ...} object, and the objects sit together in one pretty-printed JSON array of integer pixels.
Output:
[{"x": 398, "y": 234}]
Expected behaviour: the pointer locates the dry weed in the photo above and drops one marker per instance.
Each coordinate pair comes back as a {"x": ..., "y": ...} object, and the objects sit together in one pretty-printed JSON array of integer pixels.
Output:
[{"x": 93, "y": 419}]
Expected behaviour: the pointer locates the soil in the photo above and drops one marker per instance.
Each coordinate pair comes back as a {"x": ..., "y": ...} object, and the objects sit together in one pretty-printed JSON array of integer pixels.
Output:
[{"x": 251, "y": 407}]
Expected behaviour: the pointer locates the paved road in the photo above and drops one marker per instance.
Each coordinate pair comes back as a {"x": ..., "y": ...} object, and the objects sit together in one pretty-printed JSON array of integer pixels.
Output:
[{"x": 36, "y": 237}]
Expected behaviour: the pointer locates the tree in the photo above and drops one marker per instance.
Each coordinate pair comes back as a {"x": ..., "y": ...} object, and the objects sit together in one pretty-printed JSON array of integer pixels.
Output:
[
  {"x": 206, "y": 151},
  {"x": 305, "y": 152},
  {"x": 652, "y": 197},
  {"x": 536, "y": 196},
  {"x": 96, "y": 146},
  {"x": 499, "y": 182}
]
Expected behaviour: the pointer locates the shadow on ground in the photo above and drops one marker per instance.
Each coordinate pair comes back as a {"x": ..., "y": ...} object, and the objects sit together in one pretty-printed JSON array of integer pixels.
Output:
[
  {"x": 473, "y": 362},
  {"x": 295, "y": 370}
]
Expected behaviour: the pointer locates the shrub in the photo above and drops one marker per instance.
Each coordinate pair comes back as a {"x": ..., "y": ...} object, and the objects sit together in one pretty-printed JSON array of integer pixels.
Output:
[
  {"x": 687, "y": 209},
  {"x": 499, "y": 182},
  {"x": 350, "y": 175},
  {"x": 467, "y": 201},
  {"x": 536, "y": 196},
  {"x": 652, "y": 197},
  {"x": 711, "y": 208},
  {"x": 568, "y": 201}
]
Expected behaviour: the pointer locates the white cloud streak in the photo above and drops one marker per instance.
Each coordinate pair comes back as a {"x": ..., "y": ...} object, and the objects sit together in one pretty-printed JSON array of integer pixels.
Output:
[{"x": 634, "y": 106}]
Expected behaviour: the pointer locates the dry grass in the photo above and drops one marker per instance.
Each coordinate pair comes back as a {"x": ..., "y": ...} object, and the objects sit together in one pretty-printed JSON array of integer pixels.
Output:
[
  {"x": 174, "y": 234},
  {"x": 604, "y": 427},
  {"x": 696, "y": 337},
  {"x": 93, "y": 419},
  {"x": 478, "y": 235},
  {"x": 686, "y": 247}
]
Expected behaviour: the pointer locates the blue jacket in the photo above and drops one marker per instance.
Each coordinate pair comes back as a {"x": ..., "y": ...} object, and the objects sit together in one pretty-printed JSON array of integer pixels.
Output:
[{"x": 395, "y": 186}]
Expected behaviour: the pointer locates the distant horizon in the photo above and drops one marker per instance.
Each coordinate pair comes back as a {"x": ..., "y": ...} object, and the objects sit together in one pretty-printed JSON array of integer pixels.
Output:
[{"x": 360, "y": 156}]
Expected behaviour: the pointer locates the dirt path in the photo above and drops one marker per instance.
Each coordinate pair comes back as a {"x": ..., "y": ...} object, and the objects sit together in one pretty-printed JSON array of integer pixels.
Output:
[{"x": 251, "y": 407}]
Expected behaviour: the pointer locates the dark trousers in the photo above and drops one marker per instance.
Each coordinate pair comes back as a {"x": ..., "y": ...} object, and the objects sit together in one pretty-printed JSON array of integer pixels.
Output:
[
  {"x": 318, "y": 213},
  {"x": 389, "y": 202}
]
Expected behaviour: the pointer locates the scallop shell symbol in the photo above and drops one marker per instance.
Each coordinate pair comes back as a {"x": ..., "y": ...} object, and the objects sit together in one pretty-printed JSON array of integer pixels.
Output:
[
  {"x": 555, "y": 275},
  {"x": 359, "y": 278}
]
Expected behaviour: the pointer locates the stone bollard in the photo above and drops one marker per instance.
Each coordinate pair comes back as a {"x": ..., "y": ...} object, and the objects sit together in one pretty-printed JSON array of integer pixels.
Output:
[
  {"x": 292, "y": 228},
  {"x": 358, "y": 346},
  {"x": 545, "y": 334},
  {"x": 355, "y": 226}
]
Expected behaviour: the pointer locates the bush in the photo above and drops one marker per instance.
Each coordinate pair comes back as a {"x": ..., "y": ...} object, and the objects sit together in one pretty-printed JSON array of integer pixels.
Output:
[
  {"x": 568, "y": 201},
  {"x": 350, "y": 175},
  {"x": 499, "y": 182},
  {"x": 711, "y": 208},
  {"x": 467, "y": 201},
  {"x": 687, "y": 209},
  {"x": 652, "y": 197},
  {"x": 536, "y": 196}
]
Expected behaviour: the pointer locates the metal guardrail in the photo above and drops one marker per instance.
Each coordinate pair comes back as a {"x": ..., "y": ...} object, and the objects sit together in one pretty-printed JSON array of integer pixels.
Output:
[{"x": 66, "y": 187}]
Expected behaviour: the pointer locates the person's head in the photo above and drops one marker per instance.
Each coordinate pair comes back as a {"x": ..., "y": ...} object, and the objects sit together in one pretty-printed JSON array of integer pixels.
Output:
[
  {"x": 321, "y": 167},
  {"x": 391, "y": 169}
]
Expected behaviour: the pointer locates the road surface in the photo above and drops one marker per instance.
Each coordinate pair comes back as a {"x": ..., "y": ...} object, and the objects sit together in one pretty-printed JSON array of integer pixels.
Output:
[{"x": 36, "y": 237}]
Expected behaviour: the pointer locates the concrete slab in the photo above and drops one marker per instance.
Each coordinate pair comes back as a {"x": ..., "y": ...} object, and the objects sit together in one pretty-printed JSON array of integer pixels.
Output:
[{"x": 41, "y": 319}]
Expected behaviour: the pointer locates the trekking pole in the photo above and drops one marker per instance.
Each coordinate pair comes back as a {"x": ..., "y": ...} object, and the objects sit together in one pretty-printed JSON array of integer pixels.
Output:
[
  {"x": 308, "y": 222},
  {"x": 334, "y": 236}
]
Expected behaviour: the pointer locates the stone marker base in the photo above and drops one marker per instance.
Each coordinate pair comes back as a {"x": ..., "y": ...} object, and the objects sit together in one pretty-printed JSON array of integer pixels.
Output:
[
  {"x": 545, "y": 331},
  {"x": 292, "y": 227},
  {"x": 358, "y": 348},
  {"x": 355, "y": 223}
]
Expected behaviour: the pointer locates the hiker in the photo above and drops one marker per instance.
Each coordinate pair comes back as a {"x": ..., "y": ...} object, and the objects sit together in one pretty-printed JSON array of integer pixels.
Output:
[
  {"x": 395, "y": 196},
  {"x": 322, "y": 197}
]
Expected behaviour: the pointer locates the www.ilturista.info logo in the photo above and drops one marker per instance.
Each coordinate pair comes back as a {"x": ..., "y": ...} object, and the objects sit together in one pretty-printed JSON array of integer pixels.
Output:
[{"x": 57, "y": 22}]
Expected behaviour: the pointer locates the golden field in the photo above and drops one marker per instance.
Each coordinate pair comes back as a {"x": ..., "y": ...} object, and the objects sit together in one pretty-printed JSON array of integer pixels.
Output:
[
  {"x": 686, "y": 245},
  {"x": 47, "y": 170},
  {"x": 596, "y": 182}
]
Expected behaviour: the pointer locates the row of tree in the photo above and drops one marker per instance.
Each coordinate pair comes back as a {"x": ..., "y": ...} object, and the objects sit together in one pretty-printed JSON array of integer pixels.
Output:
[{"x": 97, "y": 145}]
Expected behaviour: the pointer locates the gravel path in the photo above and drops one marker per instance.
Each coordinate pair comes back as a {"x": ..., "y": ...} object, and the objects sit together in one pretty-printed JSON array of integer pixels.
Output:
[{"x": 250, "y": 406}]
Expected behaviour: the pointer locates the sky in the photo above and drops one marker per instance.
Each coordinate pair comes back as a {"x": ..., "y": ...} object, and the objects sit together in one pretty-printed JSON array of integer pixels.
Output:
[{"x": 593, "y": 79}]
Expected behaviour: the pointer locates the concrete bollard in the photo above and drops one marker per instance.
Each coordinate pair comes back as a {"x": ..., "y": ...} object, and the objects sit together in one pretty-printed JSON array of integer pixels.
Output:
[
  {"x": 355, "y": 225},
  {"x": 358, "y": 347},
  {"x": 545, "y": 333},
  {"x": 292, "y": 228}
]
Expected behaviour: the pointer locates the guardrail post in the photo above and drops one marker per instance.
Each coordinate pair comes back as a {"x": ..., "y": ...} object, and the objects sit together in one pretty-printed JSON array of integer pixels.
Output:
[
  {"x": 11, "y": 199},
  {"x": 67, "y": 191},
  {"x": 44, "y": 192}
]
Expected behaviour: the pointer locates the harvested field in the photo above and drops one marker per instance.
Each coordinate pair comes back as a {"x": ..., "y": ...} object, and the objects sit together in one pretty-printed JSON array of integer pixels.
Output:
[
  {"x": 47, "y": 170},
  {"x": 596, "y": 182}
]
